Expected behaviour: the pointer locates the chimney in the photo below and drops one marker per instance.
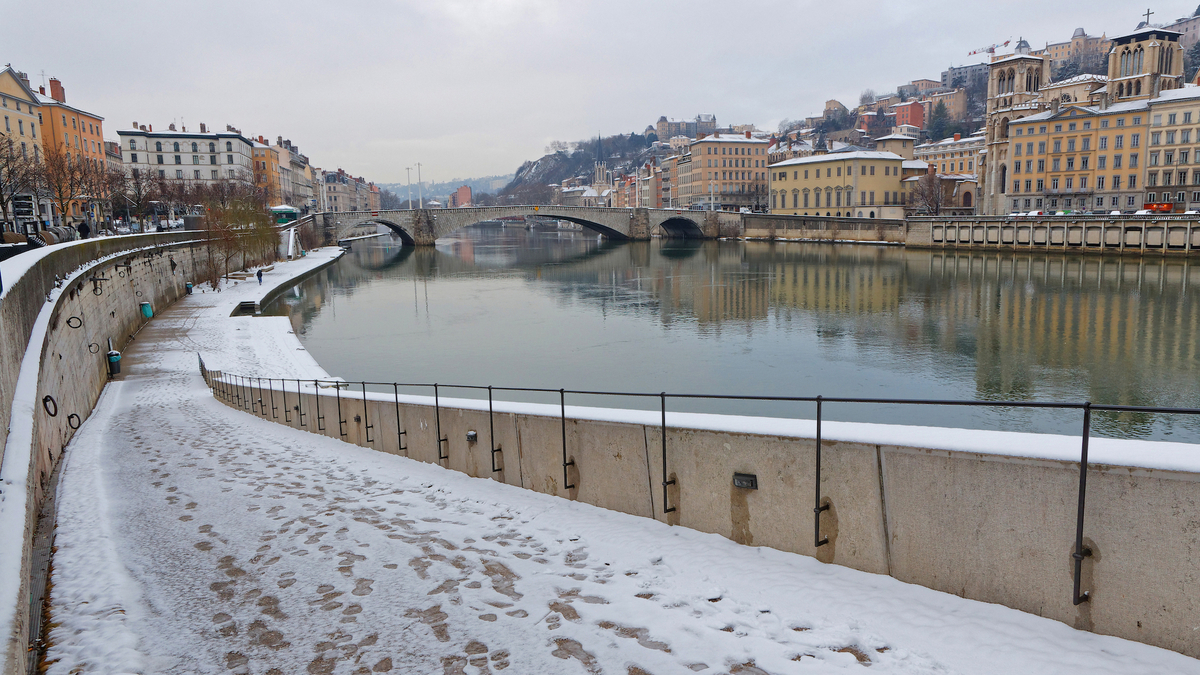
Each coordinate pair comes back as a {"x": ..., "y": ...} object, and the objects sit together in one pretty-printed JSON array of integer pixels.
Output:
[
  {"x": 958, "y": 137},
  {"x": 747, "y": 134},
  {"x": 56, "y": 90},
  {"x": 135, "y": 126},
  {"x": 203, "y": 128},
  {"x": 171, "y": 126},
  {"x": 42, "y": 90},
  {"x": 24, "y": 79},
  {"x": 151, "y": 127}
]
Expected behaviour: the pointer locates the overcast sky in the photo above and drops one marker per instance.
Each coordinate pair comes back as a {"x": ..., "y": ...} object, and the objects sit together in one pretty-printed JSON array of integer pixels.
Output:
[{"x": 474, "y": 87}]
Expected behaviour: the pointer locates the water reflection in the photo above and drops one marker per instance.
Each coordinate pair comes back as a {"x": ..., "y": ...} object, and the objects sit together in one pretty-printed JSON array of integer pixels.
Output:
[{"x": 552, "y": 309}]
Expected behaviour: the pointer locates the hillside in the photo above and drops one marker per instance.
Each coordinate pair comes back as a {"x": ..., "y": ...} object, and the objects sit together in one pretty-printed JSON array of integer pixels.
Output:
[{"x": 531, "y": 183}]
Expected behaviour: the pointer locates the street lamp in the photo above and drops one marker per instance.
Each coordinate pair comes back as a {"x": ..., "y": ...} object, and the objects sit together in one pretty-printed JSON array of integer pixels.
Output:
[
  {"x": 420, "y": 191},
  {"x": 408, "y": 170}
]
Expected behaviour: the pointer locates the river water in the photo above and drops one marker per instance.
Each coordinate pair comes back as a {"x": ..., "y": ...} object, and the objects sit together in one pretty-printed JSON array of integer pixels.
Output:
[{"x": 509, "y": 307}]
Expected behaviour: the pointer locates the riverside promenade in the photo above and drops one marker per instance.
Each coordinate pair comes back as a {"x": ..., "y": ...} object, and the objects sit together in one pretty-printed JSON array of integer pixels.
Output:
[{"x": 195, "y": 538}]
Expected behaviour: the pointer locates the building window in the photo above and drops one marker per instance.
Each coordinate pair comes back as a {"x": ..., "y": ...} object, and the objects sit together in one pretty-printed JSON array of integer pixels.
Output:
[
  {"x": 157, "y": 146},
  {"x": 176, "y": 146},
  {"x": 196, "y": 174},
  {"x": 179, "y": 173},
  {"x": 228, "y": 146},
  {"x": 230, "y": 160},
  {"x": 160, "y": 159},
  {"x": 179, "y": 159},
  {"x": 1100, "y": 186},
  {"x": 133, "y": 157},
  {"x": 214, "y": 174}
]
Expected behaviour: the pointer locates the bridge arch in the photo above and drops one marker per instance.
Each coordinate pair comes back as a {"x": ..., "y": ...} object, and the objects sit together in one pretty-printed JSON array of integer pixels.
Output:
[
  {"x": 678, "y": 227},
  {"x": 404, "y": 234}
]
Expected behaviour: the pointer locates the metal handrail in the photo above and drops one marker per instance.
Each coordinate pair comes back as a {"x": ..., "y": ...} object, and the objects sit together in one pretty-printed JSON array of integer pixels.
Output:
[{"x": 219, "y": 386}]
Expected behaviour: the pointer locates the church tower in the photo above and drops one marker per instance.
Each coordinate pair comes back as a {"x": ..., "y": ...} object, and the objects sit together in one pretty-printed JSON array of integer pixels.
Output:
[{"x": 1144, "y": 63}]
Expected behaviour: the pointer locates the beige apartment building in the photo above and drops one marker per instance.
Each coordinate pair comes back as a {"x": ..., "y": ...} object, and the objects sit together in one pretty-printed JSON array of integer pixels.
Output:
[
  {"x": 1080, "y": 44},
  {"x": 727, "y": 172},
  {"x": 862, "y": 184},
  {"x": 1172, "y": 174},
  {"x": 955, "y": 155}
]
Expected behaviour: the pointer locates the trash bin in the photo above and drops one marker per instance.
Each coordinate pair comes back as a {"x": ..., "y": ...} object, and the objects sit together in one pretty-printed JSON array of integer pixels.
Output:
[
  {"x": 188, "y": 288},
  {"x": 114, "y": 363},
  {"x": 147, "y": 311}
]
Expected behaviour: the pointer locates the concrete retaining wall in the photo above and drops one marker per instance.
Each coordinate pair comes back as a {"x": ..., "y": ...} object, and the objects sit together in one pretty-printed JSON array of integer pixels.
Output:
[
  {"x": 816, "y": 228},
  {"x": 990, "y": 527}
]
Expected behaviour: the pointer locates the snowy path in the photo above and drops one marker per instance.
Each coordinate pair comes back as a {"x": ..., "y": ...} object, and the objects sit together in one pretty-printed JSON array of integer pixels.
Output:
[{"x": 194, "y": 538}]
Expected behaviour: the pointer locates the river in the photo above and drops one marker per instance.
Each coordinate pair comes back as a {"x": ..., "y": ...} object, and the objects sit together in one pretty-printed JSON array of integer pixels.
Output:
[{"x": 509, "y": 307}]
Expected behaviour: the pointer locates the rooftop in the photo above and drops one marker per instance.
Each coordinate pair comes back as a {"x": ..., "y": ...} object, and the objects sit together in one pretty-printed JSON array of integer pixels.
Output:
[{"x": 841, "y": 157}]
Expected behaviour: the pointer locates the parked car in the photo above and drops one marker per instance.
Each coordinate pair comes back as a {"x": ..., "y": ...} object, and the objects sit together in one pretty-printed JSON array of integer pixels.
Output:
[{"x": 1143, "y": 212}]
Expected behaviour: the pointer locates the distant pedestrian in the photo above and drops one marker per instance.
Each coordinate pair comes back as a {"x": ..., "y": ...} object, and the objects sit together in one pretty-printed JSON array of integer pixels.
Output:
[
  {"x": 260, "y": 277},
  {"x": 84, "y": 230}
]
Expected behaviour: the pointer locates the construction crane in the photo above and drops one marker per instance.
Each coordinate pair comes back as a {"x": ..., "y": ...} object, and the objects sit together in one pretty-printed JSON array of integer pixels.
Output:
[{"x": 990, "y": 49}]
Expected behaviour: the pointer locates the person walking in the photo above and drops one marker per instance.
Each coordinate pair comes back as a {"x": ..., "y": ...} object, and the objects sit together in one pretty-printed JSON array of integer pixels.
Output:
[
  {"x": 84, "y": 230},
  {"x": 260, "y": 277}
]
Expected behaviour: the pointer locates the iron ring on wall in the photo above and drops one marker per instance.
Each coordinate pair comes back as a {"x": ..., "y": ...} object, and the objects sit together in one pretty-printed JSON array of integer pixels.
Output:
[
  {"x": 50, "y": 405},
  {"x": 121, "y": 273},
  {"x": 74, "y": 322},
  {"x": 97, "y": 291},
  {"x": 74, "y": 424},
  {"x": 138, "y": 293},
  {"x": 94, "y": 348}
]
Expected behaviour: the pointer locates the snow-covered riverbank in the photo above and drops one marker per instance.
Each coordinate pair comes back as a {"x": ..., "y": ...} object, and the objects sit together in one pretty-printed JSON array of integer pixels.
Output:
[{"x": 194, "y": 538}]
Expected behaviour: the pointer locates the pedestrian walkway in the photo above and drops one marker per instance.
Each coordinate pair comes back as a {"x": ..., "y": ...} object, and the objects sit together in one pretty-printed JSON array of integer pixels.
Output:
[{"x": 194, "y": 538}]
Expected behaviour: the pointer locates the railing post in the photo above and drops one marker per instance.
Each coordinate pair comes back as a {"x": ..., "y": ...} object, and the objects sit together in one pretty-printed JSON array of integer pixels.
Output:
[
  {"x": 261, "y": 409},
  {"x": 337, "y": 390},
  {"x": 817, "y": 507},
  {"x": 663, "y": 433},
  {"x": 562, "y": 403},
  {"x": 271, "y": 389},
  {"x": 492, "y": 431},
  {"x": 317, "y": 398},
  {"x": 1082, "y": 551},
  {"x": 399, "y": 432},
  {"x": 287, "y": 412},
  {"x": 300, "y": 404},
  {"x": 437, "y": 415},
  {"x": 366, "y": 421}
]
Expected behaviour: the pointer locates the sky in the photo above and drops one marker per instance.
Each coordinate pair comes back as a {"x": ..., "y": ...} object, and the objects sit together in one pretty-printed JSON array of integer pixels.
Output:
[{"x": 471, "y": 88}]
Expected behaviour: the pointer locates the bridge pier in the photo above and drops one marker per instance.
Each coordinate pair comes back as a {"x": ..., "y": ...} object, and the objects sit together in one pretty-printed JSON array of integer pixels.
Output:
[
  {"x": 639, "y": 225},
  {"x": 423, "y": 231}
]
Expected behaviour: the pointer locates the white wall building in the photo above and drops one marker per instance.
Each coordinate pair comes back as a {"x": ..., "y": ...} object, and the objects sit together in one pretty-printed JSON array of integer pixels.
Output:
[{"x": 204, "y": 156}]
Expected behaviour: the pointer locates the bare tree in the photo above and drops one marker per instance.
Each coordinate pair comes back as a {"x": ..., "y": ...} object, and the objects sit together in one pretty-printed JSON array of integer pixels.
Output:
[
  {"x": 867, "y": 97},
  {"x": 64, "y": 179},
  {"x": 929, "y": 196},
  {"x": 18, "y": 174},
  {"x": 138, "y": 189}
]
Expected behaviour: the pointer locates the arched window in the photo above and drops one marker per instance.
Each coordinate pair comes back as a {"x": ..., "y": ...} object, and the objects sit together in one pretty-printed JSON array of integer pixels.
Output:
[
  {"x": 967, "y": 199},
  {"x": 1012, "y": 80},
  {"x": 212, "y": 147},
  {"x": 229, "y": 146},
  {"x": 1138, "y": 58},
  {"x": 132, "y": 144},
  {"x": 1029, "y": 81},
  {"x": 1003, "y": 177},
  {"x": 195, "y": 147},
  {"x": 1004, "y": 128},
  {"x": 158, "y": 146},
  {"x": 1000, "y": 84},
  {"x": 1137, "y": 88},
  {"x": 872, "y": 215},
  {"x": 176, "y": 147}
]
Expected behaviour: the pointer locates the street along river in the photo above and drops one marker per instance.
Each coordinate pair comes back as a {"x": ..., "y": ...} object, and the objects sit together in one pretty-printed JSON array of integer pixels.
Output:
[{"x": 510, "y": 307}]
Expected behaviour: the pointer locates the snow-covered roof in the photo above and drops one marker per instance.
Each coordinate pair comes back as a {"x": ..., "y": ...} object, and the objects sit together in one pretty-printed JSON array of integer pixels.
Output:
[
  {"x": 915, "y": 164},
  {"x": 732, "y": 138},
  {"x": 895, "y": 137},
  {"x": 1078, "y": 79},
  {"x": 841, "y": 157},
  {"x": 43, "y": 99},
  {"x": 969, "y": 140}
]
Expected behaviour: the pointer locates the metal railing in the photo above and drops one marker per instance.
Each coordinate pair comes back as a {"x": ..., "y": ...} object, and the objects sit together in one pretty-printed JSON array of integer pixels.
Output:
[{"x": 239, "y": 391}]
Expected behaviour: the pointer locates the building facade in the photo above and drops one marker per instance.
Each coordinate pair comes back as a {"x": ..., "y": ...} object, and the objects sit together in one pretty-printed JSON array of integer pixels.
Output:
[
  {"x": 862, "y": 184},
  {"x": 22, "y": 138},
  {"x": 956, "y": 155},
  {"x": 195, "y": 157},
  {"x": 725, "y": 172},
  {"x": 79, "y": 135}
]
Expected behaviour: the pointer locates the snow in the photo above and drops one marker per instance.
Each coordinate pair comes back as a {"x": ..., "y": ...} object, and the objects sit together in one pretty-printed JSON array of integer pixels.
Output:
[{"x": 194, "y": 538}]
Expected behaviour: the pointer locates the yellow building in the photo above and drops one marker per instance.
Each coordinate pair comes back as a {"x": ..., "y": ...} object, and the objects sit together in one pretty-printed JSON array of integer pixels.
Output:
[
  {"x": 861, "y": 184},
  {"x": 19, "y": 104},
  {"x": 1172, "y": 173},
  {"x": 729, "y": 171}
]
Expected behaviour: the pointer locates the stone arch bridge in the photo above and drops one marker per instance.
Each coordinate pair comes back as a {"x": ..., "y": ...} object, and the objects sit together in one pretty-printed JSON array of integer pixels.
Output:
[{"x": 422, "y": 227}]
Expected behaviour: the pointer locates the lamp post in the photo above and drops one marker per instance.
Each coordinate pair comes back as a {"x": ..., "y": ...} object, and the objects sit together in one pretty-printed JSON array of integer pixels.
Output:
[
  {"x": 420, "y": 191},
  {"x": 408, "y": 170}
]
